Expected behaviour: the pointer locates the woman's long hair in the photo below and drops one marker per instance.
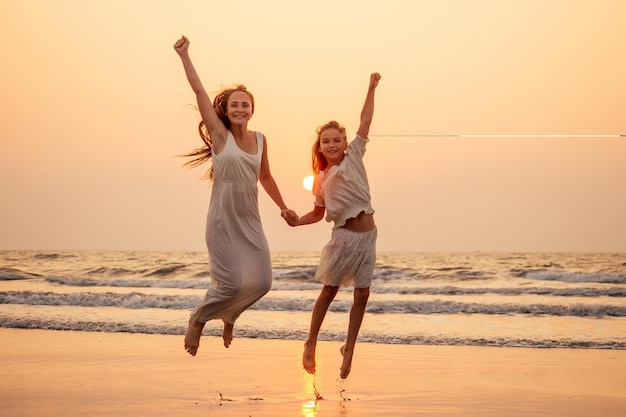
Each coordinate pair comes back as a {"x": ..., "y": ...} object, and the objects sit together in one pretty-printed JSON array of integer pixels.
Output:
[
  {"x": 319, "y": 161},
  {"x": 203, "y": 154}
]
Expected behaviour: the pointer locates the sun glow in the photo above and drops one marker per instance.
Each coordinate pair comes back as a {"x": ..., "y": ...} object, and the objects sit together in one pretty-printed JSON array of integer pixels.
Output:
[{"x": 307, "y": 182}]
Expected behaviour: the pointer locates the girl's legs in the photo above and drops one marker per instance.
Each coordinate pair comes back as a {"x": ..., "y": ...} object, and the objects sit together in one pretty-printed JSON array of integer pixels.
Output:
[
  {"x": 317, "y": 317},
  {"x": 357, "y": 312}
]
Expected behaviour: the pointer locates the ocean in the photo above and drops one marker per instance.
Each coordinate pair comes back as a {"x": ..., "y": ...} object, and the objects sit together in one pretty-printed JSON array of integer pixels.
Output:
[{"x": 533, "y": 300}]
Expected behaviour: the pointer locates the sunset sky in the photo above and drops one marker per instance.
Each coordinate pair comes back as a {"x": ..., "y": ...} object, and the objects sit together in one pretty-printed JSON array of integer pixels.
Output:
[{"x": 95, "y": 109}]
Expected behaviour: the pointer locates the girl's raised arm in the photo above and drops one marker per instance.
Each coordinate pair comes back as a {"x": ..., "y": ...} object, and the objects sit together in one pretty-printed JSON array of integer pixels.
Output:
[{"x": 368, "y": 107}]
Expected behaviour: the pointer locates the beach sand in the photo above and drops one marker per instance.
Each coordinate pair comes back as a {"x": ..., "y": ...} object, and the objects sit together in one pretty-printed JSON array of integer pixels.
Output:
[{"x": 63, "y": 373}]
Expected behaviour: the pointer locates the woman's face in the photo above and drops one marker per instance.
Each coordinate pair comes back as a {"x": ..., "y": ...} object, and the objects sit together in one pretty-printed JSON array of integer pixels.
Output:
[
  {"x": 333, "y": 145},
  {"x": 239, "y": 108}
]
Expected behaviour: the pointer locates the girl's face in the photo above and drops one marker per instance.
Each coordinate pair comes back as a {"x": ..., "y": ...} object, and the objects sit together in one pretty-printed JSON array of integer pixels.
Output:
[
  {"x": 239, "y": 108},
  {"x": 333, "y": 145}
]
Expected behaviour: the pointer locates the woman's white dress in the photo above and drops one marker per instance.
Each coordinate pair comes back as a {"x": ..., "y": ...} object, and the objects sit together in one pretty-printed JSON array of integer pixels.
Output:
[{"x": 239, "y": 257}]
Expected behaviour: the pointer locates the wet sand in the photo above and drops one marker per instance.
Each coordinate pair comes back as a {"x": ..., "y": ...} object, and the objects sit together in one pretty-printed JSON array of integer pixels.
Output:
[{"x": 62, "y": 373}]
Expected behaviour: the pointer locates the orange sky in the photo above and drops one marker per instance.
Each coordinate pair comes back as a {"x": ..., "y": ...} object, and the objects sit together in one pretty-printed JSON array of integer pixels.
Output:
[{"x": 95, "y": 108}]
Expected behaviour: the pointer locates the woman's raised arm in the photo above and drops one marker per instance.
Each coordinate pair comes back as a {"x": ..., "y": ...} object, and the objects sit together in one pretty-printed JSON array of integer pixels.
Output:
[{"x": 215, "y": 127}]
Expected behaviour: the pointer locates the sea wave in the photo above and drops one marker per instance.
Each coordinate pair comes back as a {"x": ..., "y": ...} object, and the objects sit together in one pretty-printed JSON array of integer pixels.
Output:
[
  {"x": 567, "y": 276},
  {"x": 53, "y": 255},
  {"x": 249, "y": 332},
  {"x": 87, "y": 299},
  {"x": 12, "y": 274},
  {"x": 307, "y": 285},
  {"x": 130, "y": 283},
  {"x": 193, "y": 275},
  {"x": 451, "y": 290},
  {"x": 135, "y": 300}
]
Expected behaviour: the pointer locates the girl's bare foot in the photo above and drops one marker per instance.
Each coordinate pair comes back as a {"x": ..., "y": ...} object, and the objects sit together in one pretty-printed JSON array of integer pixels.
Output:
[
  {"x": 308, "y": 358},
  {"x": 347, "y": 362},
  {"x": 192, "y": 338},
  {"x": 227, "y": 334}
]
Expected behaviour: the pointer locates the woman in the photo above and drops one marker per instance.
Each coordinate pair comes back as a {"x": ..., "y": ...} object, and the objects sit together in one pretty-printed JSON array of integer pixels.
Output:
[{"x": 239, "y": 258}]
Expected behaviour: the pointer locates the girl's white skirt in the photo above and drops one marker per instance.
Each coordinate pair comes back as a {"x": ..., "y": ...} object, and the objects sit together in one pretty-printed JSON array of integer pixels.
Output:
[{"x": 348, "y": 259}]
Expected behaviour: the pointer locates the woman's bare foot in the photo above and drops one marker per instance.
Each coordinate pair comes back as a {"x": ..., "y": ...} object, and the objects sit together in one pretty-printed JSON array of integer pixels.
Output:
[
  {"x": 227, "y": 334},
  {"x": 308, "y": 358},
  {"x": 347, "y": 362},
  {"x": 192, "y": 338}
]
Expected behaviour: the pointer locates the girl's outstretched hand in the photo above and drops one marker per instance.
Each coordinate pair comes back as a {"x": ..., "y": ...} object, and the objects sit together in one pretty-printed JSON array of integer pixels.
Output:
[{"x": 182, "y": 45}]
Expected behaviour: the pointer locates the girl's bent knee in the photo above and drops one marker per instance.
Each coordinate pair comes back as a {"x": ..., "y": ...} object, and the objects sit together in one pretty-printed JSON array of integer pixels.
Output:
[{"x": 361, "y": 294}]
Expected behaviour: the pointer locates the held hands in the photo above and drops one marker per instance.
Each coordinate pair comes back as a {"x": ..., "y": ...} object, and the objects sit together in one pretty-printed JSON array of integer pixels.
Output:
[
  {"x": 290, "y": 216},
  {"x": 181, "y": 45}
]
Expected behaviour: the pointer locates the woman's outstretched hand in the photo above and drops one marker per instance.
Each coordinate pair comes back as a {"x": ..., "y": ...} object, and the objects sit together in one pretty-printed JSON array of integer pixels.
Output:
[
  {"x": 182, "y": 45},
  {"x": 290, "y": 216},
  {"x": 374, "y": 78}
]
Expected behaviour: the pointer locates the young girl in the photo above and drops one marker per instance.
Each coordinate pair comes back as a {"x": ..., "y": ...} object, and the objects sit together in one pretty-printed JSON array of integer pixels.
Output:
[
  {"x": 342, "y": 191},
  {"x": 241, "y": 271}
]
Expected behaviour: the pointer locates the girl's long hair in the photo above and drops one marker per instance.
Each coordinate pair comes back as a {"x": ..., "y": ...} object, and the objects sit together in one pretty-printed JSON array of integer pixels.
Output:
[
  {"x": 319, "y": 161},
  {"x": 204, "y": 154}
]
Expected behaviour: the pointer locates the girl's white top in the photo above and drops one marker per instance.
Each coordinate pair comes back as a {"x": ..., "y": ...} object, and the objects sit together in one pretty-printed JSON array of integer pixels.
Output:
[{"x": 344, "y": 191}]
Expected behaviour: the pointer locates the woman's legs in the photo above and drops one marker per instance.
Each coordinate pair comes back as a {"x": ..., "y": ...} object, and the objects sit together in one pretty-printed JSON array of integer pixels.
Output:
[
  {"x": 361, "y": 295},
  {"x": 192, "y": 338},
  {"x": 227, "y": 334},
  {"x": 194, "y": 332},
  {"x": 327, "y": 295}
]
